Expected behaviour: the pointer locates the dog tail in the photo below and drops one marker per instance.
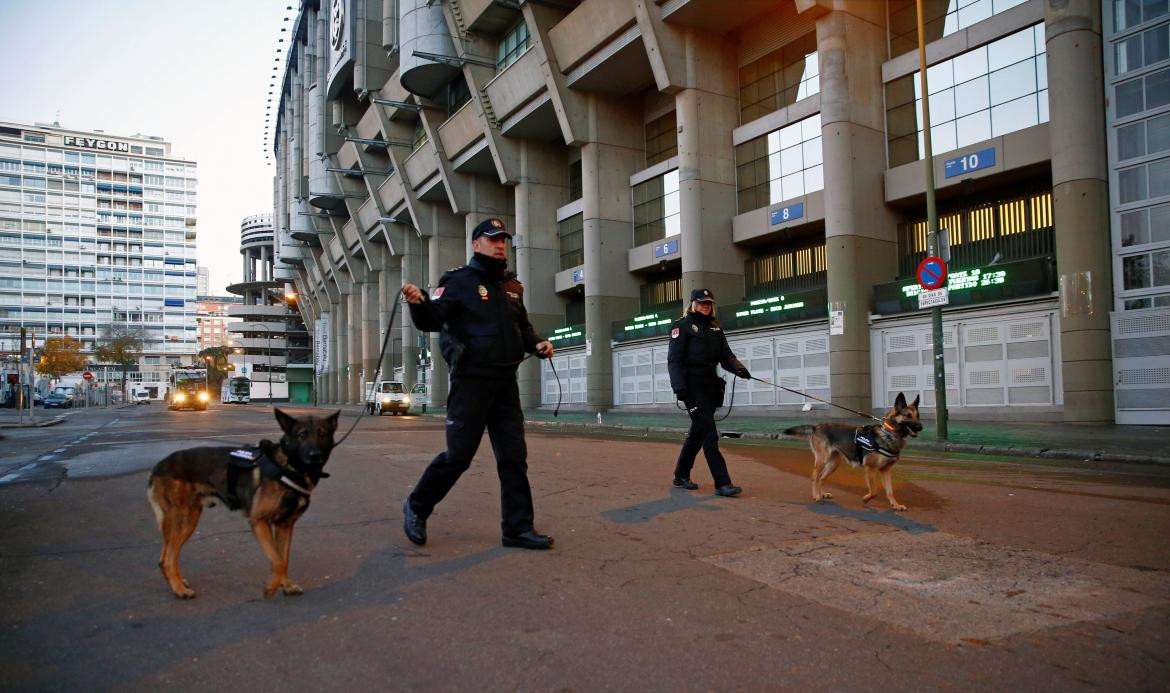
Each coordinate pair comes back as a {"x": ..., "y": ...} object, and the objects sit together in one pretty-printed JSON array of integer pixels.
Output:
[
  {"x": 154, "y": 505},
  {"x": 800, "y": 431}
]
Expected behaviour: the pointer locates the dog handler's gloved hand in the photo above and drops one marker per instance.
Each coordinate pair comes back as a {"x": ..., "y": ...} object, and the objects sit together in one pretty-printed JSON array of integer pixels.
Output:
[
  {"x": 682, "y": 395},
  {"x": 743, "y": 373}
]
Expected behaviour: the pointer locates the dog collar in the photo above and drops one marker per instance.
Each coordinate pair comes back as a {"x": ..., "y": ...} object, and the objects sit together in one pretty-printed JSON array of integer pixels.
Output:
[
  {"x": 294, "y": 486},
  {"x": 888, "y": 426}
]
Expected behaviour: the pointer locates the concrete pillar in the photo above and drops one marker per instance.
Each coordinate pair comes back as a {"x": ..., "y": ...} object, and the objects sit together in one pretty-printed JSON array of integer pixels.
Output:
[
  {"x": 329, "y": 378},
  {"x": 341, "y": 342},
  {"x": 414, "y": 269},
  {"x": 706, "y": 112},
  {"x": 860, "y": 232},
  {"x": 447, "y": 248},
  {"x": 371, "y": 337},
  {"x": 542, "y": 188},
  {"x": 1080, "y": 202},
  {"x": 389, "y": 286},
  {"x": 611, "y": 292},
  {"x": 247, "y": 276},
  {"x": 265, "y": 269},
  {"x": 356, "y": 325}
]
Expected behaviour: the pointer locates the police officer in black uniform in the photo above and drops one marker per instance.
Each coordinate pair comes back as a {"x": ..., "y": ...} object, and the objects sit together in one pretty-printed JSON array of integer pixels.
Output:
[
  {"x": 479, "y": 310},
  {"x": 697, "y": 345}
]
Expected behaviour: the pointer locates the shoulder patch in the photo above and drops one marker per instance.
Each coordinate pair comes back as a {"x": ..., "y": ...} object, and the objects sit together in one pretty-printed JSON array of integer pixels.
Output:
[
  {"x": 438, "y": 293},
  {"x": 456, "y": 269},
  {"x": 674, "y": 333},
  {"x": 694, "y": 328}
]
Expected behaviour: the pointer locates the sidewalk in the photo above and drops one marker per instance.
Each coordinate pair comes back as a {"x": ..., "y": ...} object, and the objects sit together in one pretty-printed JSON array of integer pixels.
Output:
[{"x": 1133, "y": 444}]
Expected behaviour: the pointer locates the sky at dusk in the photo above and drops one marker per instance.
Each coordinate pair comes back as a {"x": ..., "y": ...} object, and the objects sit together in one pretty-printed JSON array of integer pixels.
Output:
[{"x": 196, "y": 74}]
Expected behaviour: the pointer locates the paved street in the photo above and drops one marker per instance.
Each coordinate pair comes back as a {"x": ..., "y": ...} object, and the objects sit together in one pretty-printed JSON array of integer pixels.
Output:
[{"x": 1003, "y": 574}]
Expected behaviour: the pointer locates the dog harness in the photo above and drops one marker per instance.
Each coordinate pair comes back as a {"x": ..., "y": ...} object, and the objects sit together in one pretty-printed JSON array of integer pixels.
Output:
[
  {"x": 298, "y": 478},
  {"x": 867, "y": 441}
]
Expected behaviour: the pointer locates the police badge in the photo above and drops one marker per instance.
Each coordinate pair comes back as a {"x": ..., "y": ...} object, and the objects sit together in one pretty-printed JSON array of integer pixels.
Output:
[{"x": 483, "y": 294}]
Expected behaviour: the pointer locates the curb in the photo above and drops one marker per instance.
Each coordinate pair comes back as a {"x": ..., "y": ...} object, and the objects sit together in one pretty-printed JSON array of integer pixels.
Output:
[
  {"x": 1038, "y": 452},
  {"x": 39, "y": 424}
]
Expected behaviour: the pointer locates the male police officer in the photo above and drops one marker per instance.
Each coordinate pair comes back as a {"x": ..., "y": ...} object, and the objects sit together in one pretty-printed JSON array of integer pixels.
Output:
[{"x": 479, "y": 309}]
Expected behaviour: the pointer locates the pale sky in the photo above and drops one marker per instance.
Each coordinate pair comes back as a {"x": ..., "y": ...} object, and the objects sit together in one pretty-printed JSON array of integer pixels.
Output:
[{"x": 196, "y": 74}]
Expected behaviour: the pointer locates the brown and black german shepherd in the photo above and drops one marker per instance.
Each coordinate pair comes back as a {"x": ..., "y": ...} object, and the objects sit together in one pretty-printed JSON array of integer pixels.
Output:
[
  {"x": 832, "y": 442},
  {"x": 272, "y": 490}
]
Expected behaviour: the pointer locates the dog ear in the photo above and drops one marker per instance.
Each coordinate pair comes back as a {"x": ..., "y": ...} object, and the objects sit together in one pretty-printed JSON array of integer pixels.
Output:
[
  {"x": 286, "y": 422},
  {"x": 331, "y": 421},
  {"x": 915, "y": 404},
  {"x": 900, "y": 401}
]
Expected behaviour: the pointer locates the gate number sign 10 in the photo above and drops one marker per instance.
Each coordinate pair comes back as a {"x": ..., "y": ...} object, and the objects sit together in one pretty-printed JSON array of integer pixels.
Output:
[{"x": 984, "y": 158}]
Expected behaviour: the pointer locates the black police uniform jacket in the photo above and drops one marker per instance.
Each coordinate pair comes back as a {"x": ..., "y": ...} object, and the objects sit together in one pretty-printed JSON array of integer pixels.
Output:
[
  {"x": 479, "y": 311},
  {"x": 697, "y": 345}
]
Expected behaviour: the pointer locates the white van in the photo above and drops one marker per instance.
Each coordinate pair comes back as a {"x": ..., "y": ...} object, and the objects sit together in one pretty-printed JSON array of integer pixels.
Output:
[{"x": 387, "y": 396}]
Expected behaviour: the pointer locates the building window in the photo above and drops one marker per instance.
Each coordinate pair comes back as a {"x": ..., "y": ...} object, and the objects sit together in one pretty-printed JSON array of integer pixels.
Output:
[
  {"x": 1143, "y": 49},
  {"x": 575, "y": 180},
  {"x": 786, "y": 270},
  {"x": 1130, "y": 13},
  {"x": 781, "y": 165},
  {"x": 1015, "y": 228},
  {"x": 661, "y": 294},
  {"x": 1142, "y": 94},
  {"x": 420, "y": 135},
  {"x": 572, "y": 238},
  {"x": 457, "y": 94},
  {"x": 512, "y": 45},
  {"x": 661, "y": 139},
  {"x": 940, "y": 18},
  {"x": 656, "y": 208},
  {"x": 987, "y": 92},
  {"x": 779, "y": 79}
]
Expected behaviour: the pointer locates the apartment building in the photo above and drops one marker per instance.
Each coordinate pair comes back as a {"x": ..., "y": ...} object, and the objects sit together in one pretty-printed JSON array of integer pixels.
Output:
[
  {"x": 212, "y": 318},
  {"x": 97, "y": 230},
  {"x": 771, "y": 151}
]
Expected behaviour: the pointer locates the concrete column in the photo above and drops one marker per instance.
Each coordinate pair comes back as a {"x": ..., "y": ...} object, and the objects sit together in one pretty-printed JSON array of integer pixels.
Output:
[
  {"x": 447, "y": 248},
  {"x": 329, "y": 378},
  {"x": 341, "y": 341},
  {"x": 611, "y": 292},
  {"x": 543, "y": 187},
  {"x": 860, "y": 232},
  {"x": 354, "y": 345},
  {"x": 265, "y": 269},
  {"x": 414, "y": 269},
  {"x": 389, "y": 286},
  {"x": 1080, "y": 201},
  {"x": 371, "y": 337},
  {"x": 247, "y": 274},
  {"x": 706, "y": 112}
]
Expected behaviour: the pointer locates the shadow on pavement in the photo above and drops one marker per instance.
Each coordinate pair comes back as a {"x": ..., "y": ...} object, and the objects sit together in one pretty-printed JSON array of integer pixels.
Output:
[
  {"x": 887, "y": 517},
  {"x": 642, "y": 512}
]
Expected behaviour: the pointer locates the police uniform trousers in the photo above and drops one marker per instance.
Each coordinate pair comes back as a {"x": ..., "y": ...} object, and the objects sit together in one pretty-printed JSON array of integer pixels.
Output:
[
  {"x": 703, "y": 434},
  {"x": 474, "y": 404}
]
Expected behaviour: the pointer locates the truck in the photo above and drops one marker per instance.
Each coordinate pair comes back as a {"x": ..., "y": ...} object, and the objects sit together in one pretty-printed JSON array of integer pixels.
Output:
[
  {"x": 387, "y": 396},
  {"x": 188, "y": 389},
  {"x": 236, "y": 390}
]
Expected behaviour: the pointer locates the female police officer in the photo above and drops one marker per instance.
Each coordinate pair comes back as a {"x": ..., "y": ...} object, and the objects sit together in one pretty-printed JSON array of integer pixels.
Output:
[{"x": 697, "y": 344}]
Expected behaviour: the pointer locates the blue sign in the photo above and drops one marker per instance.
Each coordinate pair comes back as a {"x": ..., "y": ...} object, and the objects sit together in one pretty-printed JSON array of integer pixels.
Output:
[
  {"x": 984, "y": 158},
  {"x": 786, "y": 214},
  {"x": 578, "y": 276},
  {"x": 668, "y": 248}
]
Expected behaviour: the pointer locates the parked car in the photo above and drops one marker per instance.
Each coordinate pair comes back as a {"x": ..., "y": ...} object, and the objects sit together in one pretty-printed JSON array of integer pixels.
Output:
[
  {"x": 59, "y": 400},
  {"x": 386, "y": 396}
]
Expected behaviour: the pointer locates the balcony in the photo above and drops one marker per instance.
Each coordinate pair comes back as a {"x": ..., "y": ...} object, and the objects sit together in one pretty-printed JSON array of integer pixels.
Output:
[
  {"x": 587, "y": 28},
  {"x": 421, "y": 167},
  {"x": 262, "y": 328},
  {"x": 275, "y": 311},
  {"x": 515, "y": 86},
  {"x": 460, "y": 131},
  {"x": 278, "y": 343}
]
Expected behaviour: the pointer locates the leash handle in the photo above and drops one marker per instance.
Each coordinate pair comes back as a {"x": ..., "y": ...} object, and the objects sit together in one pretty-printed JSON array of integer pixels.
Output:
[{"x": 804, "y": 394}]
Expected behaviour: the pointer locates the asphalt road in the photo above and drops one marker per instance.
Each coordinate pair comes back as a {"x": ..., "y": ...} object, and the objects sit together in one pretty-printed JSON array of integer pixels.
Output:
[{"x": 1003, "y": 574}]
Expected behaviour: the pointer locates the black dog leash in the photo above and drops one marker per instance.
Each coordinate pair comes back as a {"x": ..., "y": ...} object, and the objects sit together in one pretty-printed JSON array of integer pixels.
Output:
[
  {"x": 377, "y": 369},
  {"x": 730, "y": 404},
  {"x": 803, "y": 394}
]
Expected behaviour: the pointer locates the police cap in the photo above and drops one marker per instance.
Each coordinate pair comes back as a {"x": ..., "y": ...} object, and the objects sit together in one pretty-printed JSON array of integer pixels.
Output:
[
  {"x": 702, "y": 295},
  {"x": 491, "y": 228}
]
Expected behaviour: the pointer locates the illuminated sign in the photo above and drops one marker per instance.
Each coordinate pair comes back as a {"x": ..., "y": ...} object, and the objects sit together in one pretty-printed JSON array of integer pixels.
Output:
[
  {"x": 90, "y": 143},
  {"x": 963, "y": 280},
  {"x": 562, "y": 333},
  {"x": 646, "y": 321},
  {"x": 772, "y": 304}
]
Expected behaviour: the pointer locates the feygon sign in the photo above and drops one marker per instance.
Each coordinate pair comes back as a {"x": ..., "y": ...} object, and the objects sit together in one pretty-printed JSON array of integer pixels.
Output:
[
  {"x": 342, "y": 46},
  {"x": 321, "y": 344},
  {"x": 90, "y": 143}
]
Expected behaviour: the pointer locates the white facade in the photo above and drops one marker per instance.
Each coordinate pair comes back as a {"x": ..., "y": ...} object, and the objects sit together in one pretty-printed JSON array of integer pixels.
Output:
[{"x": 97, "y": 230}]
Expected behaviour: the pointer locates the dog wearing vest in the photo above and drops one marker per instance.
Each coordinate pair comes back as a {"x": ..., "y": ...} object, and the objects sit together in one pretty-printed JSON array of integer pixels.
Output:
[
  {"x": 270, "y": 483},
  {"x": 873, "y": 448}
]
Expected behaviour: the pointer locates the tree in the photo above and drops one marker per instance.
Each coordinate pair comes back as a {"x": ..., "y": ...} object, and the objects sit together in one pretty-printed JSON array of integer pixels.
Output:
[
  {"x": 121, "y": 345},
  {"x": 60, "y": 356},
  {"x": 216, "y": 359}
]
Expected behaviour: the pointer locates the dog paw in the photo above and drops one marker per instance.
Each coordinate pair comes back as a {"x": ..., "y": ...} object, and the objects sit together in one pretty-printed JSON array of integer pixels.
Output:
[
  {"x": 827, "y": 496},
  {"x": 899, "y": 507},
  {"x": 185, "y": 593},
  {"x": 292, "y": 590},
  {"x": 867, "y": 498}
]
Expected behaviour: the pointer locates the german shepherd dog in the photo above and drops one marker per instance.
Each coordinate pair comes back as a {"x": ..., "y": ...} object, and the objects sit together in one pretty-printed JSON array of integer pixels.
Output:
[
  {"x": 876, "y": 452},
  {"x": 272, "y": 490}
]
